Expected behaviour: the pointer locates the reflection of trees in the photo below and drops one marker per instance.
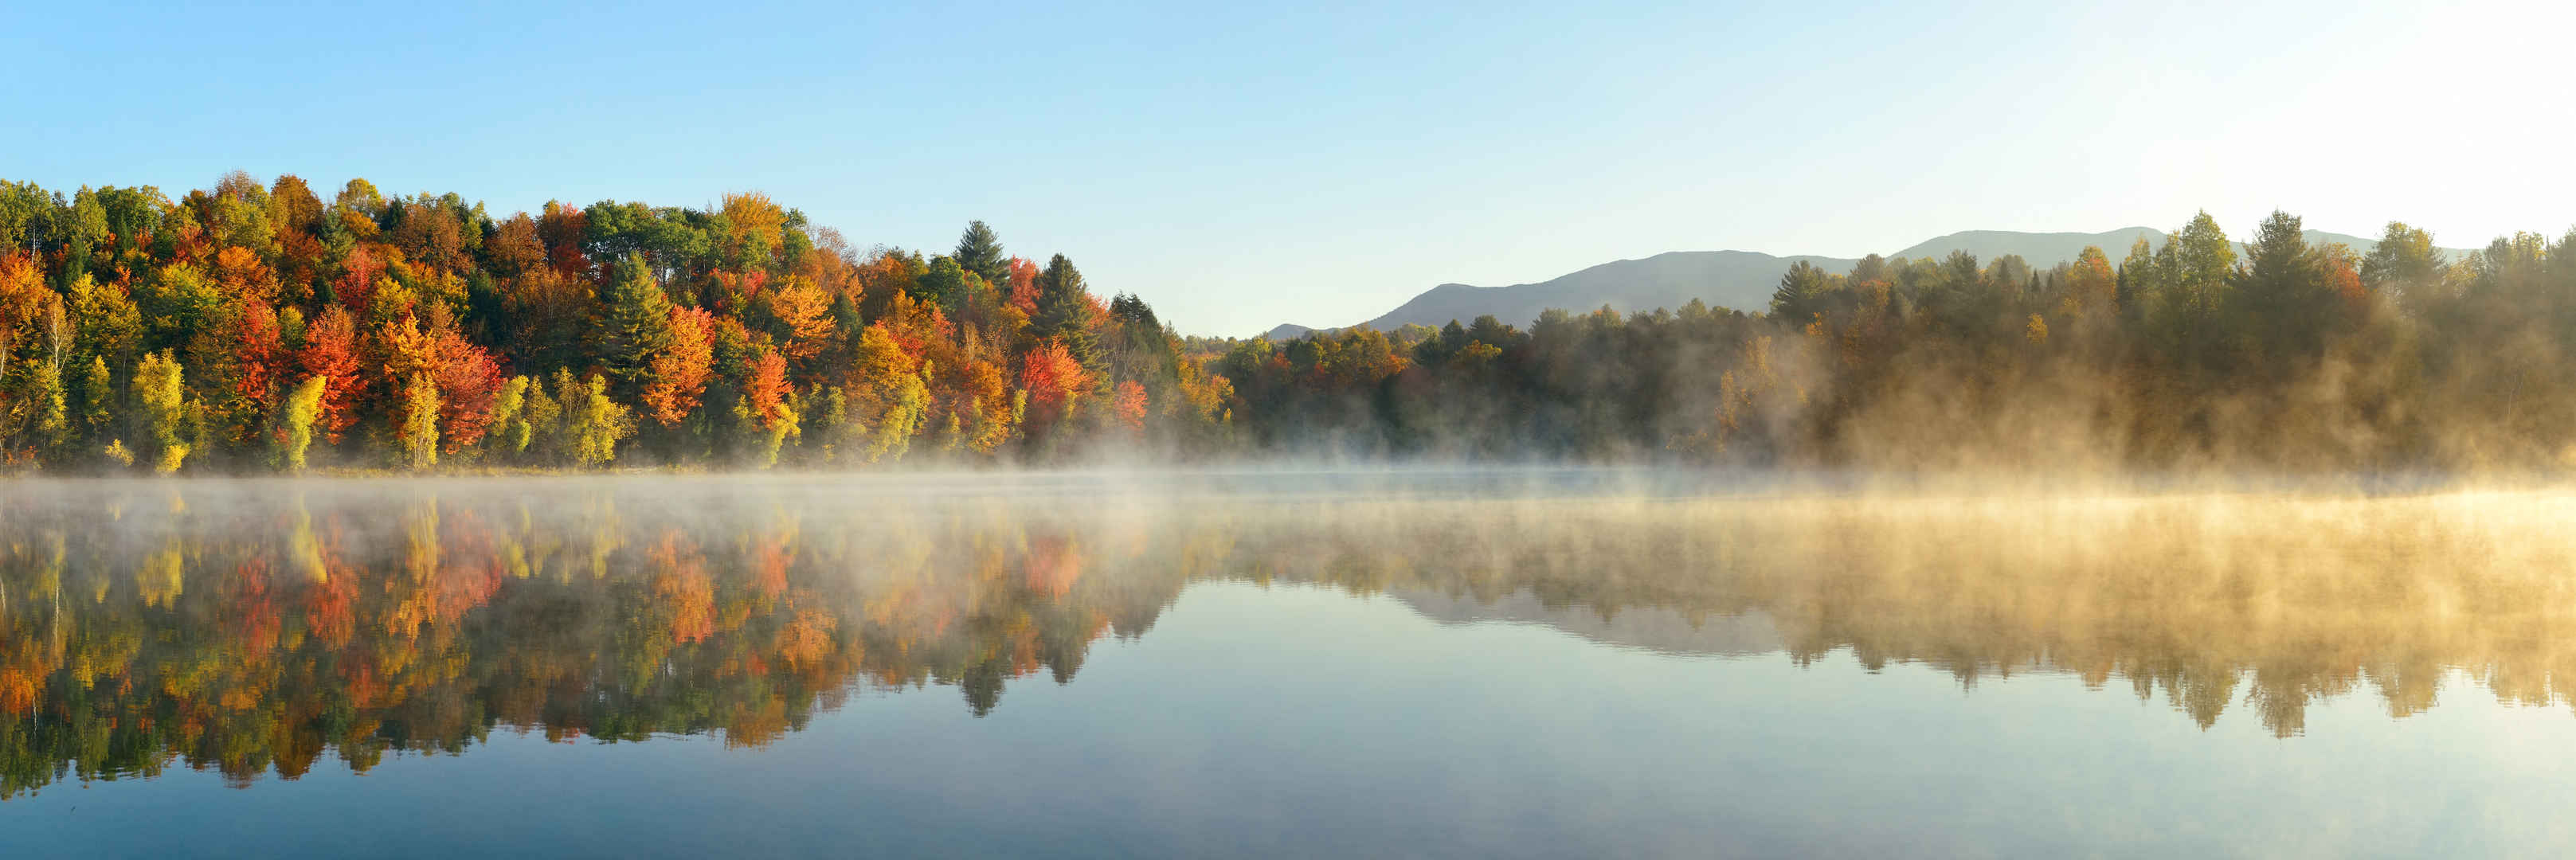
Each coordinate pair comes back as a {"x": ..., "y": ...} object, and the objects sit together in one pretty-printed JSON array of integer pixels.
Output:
[
  {"x": 2207, "y": 601},
  {"x": 254, "y": 634},
  {"x": 257, "y": 630}
]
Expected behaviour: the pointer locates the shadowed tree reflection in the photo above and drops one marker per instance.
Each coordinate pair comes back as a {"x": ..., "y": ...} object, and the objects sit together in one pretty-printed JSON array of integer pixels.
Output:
[{"x": 256, "y": 628}]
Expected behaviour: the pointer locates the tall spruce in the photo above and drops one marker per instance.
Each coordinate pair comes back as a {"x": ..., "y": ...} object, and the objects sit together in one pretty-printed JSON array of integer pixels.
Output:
[
  {"x": 1064, "y": 308},
  {"x": 981, "y": 252},
  {"x": 634, "y": 324}
]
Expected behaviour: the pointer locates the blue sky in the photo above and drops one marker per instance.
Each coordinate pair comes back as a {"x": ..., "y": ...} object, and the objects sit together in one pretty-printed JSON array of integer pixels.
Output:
[{"x": 1240, "y": 167}]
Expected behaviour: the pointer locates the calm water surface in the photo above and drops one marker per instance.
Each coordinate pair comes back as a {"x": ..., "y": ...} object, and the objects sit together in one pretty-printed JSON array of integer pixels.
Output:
[{"x": 1548, "y": 663}]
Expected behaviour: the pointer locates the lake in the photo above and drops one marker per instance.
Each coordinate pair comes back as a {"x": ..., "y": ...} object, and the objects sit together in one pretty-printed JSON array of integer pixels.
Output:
[{"x": 1460, "y": 663}]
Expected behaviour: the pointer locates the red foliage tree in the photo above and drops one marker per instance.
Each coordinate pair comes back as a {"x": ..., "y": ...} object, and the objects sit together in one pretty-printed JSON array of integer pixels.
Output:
[
  {"x": 1054, "y": 380},
  {"x": 1128, "y": 406},
  {"x": 467, "y": 378},
  {"x": 260, "y": 360},
  {"x": 1024, "y": 285},
  {"x": 356, "y": 285},
  {"x": 331, "y": 352},
  {"x": 562, "y": 228}
]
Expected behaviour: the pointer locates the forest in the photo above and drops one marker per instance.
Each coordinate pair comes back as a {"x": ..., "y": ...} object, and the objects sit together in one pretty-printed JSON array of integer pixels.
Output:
[{"x": 256, "y": 327}]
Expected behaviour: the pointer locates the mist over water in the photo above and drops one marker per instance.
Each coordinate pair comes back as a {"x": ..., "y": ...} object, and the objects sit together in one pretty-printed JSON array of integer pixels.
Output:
[{"x": 271, "y": 634}]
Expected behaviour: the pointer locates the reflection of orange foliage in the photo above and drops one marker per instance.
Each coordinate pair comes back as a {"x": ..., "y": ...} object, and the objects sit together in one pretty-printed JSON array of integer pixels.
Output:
[
  {"x": 472, "y": 573},
  {"x": 365, "y": 690},
  {"x": 770, "y": 560},
  {"x": 680, "y": 579},
  {"x": 330, "y": 606},
  {"x": 807, "y": 638},
  {"x": 251, "y": 612},
  {"x": 239, "y": 698},
  {"x": 1054, "y": 564},
  {"x": 452, "y": 571},
  {"x": 1027, "y": 652},
  {"x": 17, "y": 691},
  {"x": 757, "y": 723},
  {"x": 304, "y": 636}
]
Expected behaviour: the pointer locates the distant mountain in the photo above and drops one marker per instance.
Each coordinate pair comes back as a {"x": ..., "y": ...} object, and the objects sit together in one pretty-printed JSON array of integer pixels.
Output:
[
  {"x": 1642, "y": 627},
  {"x": 1733, "y": 279},
  {"x": 1288, "y": 331},
  {"x": 2041, "y": 250}
]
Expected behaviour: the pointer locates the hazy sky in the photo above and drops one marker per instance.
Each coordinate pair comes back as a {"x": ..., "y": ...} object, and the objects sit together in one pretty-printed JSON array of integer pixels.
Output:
[{"x": 1239, "y": 168}]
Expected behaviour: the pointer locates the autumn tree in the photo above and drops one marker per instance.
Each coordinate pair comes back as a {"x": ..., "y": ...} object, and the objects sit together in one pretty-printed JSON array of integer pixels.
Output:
[
  {"x": 805, "y": 327},
  {"x": 2404, "y": 262},
  {"x": 295, "y": 418},
  {"x": 331, "y": 353},
  {"x": 1022, "y": 288},
  {"x": 97, "y": 414},
  {"x": 679, "y": 374},
  {"x": 517, "y": 248},
  {"x": 418, "y": 431},
  {"x": 159, "y": 387},
  {"x": 765, "y": 405},
  {"x": 1127, "y": 407},
  {"x": 38, "y": 405},
  {"x": 467, "y": 379},
  {"x": 757, "y": 230},
  {"x": 1055, "y": 382},
  {"x": 592, "y": 424},
  {"x": 2092, "y": 289},
  {"x": 512, "y": 430}
]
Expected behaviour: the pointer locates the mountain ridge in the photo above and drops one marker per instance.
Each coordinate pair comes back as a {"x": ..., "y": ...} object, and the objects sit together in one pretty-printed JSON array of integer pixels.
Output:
[{"x": 1732, "y": 278}]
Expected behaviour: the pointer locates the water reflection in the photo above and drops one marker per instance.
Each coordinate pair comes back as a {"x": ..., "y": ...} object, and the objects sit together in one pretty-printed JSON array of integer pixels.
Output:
[{"x": 255, "y": 628}]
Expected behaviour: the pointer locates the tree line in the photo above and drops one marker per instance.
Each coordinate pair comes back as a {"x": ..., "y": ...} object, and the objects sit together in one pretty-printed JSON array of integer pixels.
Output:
[
  {"x": 2276, "y": 353},
  {"x": 249, "y": 327}
]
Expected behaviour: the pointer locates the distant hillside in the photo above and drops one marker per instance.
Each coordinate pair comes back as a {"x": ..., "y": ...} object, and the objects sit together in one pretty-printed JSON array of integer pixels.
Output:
[
  {"x": 2042, "y": 250},
  {"x": 1287, "y": 331},
  {"x": 1731, "y": 279}
]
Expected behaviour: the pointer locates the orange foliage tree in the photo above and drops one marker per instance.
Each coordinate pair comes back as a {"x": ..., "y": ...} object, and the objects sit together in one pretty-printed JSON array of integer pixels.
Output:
[{"x": 679, "y": 374}]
